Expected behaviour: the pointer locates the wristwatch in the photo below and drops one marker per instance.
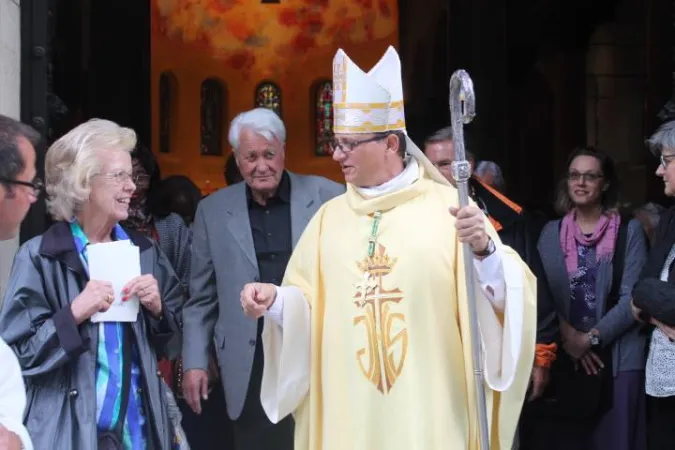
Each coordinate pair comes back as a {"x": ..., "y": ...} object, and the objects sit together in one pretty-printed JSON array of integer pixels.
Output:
[
  {"x": 594, "y": 339},
  {"x": 490, "y": 249}
]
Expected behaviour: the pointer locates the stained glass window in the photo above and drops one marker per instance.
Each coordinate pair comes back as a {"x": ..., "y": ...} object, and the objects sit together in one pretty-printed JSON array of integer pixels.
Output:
[
  {"x": 268, "y": 95},
  {"x": 168, "y": 86},
  {"x": 324, "y": 117},
  {"x": 212, "y": 112}
]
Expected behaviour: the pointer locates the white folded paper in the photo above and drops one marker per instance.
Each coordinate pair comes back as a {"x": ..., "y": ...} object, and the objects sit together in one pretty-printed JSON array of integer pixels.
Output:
[{"x": 118, "y": 263}]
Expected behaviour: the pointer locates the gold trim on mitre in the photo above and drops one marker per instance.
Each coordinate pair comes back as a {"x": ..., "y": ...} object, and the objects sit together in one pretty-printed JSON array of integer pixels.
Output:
[
  {"x": 387, "y": 73},
  {"x": 360, "y": 104},
  {"x": 373, "y": 102}
]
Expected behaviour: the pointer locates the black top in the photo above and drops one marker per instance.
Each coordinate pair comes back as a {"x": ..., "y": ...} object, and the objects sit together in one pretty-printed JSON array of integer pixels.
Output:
[
  {"x": 273, "y": 243},
  {"x": 271, "y": 230}
]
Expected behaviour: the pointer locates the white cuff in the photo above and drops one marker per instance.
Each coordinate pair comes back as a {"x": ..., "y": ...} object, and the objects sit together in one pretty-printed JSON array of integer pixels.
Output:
[
  {"x": 276, "y": 310},
  {"x": 491, "y": 278}
]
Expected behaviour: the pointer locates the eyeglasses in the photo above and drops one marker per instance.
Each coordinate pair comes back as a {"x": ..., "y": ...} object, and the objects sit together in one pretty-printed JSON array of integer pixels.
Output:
[
  {"x": 141, "y": 178},
  {"x": 665, "y": 159},
  {"x": 122, "y": 177},
  {"x": 588, "y": 176},
  {"x": 37, "y": 185},
  {"x": 349, "y": 146}
]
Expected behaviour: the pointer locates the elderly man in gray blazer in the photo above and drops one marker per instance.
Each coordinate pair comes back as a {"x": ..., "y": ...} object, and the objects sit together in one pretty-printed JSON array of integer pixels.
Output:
[{"x": 243, "y": 233}]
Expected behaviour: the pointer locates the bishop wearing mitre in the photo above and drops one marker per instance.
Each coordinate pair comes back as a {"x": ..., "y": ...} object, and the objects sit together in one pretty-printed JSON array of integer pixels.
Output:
[{"x": 367, "y": 342}]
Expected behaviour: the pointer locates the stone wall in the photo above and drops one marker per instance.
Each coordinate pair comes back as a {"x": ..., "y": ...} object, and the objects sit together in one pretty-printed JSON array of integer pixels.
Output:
[{"x": 10, "y": 99}]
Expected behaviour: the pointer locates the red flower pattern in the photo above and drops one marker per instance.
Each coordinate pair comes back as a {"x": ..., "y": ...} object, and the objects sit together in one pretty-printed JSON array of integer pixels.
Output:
[{"x": 251, "y": 38}]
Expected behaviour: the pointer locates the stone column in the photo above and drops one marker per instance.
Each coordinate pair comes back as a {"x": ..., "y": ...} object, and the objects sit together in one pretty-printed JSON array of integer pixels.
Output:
[{"x": 10, "y": 100}]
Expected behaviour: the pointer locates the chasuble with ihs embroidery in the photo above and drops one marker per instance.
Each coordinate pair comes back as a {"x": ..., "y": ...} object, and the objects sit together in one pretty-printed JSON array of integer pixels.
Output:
[{"x": 381, "y": 359}]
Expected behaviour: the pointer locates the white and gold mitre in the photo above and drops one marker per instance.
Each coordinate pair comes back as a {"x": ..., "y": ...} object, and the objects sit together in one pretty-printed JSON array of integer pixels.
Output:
[
  {"x": 361, "y": 103},
  {"x": 373, "y": 102}
]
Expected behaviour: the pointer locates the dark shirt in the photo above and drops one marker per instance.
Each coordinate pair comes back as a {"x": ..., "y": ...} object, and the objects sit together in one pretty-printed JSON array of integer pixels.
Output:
[
  {"x": 273, "y": 243},
  {"x": 271, "y": 230}
]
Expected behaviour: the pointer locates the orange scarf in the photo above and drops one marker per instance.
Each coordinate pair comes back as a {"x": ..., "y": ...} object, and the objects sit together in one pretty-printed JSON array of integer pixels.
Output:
[
  {"x": 545, "y": 355},
  {"x": 504, "y": 199}
]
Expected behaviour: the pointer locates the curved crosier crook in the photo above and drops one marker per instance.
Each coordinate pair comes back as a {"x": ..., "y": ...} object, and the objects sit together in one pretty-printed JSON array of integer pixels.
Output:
[{"x": 462, "y": 97}]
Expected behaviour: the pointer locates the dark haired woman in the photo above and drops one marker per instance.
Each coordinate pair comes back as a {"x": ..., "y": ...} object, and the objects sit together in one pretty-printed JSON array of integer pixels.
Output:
[
  {"x": 592, "y": 257},
  {"x": 150, "y": 214},
  {"x": 147, "y": 215},
  {"x": 178, "y": 194}
]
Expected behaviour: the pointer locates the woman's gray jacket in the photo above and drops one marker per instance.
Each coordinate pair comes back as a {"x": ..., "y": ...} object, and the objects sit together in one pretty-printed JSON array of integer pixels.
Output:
[
  {"x": 58, "y": 357},
  {"x": 617, "y": 327}
]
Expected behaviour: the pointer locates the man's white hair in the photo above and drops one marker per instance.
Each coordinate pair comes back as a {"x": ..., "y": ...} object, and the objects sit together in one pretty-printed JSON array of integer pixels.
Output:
[
  {"x": 73, "y": 160},
  {"x": 262, "y": 121}
]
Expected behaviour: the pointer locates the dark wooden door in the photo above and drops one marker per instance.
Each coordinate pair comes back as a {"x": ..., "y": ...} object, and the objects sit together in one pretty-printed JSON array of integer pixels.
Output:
[{"x": 34, "y": 77}]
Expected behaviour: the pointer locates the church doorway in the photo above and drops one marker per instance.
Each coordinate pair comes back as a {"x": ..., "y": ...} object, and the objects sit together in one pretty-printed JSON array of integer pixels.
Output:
[{"x": 82, "y": 59}]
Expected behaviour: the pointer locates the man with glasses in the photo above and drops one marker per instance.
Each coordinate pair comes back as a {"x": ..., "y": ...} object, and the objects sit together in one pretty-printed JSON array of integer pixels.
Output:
[
  {"x": 18, "y": 186},
  {"x": 517, "y": 228},
  {"x": 368, "y": 343},
  {"x": 243, "y": 232},
  {"x": 501, "y": 211},
  {"x": 18, "y": 190}
]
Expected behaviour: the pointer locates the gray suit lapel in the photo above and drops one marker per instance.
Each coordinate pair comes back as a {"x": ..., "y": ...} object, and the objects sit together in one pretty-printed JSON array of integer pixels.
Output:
[
  {"x": 236, "y": 216},
  {"x": 553, "y": 261},
  {"x": 302, "y": 200}
]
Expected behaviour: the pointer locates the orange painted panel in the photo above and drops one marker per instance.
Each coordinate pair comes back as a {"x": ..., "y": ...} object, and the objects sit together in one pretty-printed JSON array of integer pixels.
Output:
[{"x": 245, "y": 42}]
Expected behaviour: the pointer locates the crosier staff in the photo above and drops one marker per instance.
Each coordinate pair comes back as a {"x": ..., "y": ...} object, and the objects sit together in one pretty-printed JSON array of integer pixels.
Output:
[{"x": 462, "y": 111}]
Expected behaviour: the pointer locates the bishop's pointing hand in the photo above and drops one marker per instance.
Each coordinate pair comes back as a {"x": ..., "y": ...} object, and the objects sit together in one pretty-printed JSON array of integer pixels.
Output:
[{"x": 256, "y": 298}]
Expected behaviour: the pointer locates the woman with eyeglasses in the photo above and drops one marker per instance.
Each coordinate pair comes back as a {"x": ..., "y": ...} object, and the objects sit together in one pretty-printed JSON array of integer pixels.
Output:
[
  {"x": 653, "y": 296},
  {"x": 91, "y": 385},
  {"x": 592, "y": 257},
  {"x": 149, "y": 214}
]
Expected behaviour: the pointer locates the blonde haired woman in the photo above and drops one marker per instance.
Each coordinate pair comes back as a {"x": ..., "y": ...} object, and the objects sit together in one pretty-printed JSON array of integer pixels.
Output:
[{"x": 91, "y": 385}]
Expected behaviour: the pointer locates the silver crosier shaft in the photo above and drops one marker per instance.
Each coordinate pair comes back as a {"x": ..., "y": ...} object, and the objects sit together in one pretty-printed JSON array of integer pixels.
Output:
[{"x": 462, "y": 111}]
